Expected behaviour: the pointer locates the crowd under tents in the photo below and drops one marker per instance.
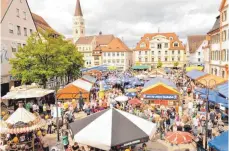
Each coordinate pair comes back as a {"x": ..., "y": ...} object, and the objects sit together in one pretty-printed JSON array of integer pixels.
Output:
[
  {"x": 219, "y": 143},
  {"x": 75, "y": 90},
  {"x": 122, "y": 130},
  {"x": 195, "y": 74}
]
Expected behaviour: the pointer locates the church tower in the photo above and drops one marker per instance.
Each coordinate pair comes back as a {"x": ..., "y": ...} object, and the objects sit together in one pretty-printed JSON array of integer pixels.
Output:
[{"x": 78, "y": 23}]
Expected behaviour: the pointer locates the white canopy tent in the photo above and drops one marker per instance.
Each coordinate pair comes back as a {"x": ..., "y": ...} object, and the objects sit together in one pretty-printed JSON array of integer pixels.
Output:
[
  {"x": 122, "y": 98},
  {"x": 115, "y": 128}
]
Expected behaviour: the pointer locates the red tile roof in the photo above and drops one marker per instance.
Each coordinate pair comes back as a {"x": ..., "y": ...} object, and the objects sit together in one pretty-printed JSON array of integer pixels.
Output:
[
  {"x": 148, "y": 36},
  {"x": 116, "y": 45},
  {"x": 4, "y": 6},
  {"x": 42, "y": 24},
  {"x": 195, "y": 41}
]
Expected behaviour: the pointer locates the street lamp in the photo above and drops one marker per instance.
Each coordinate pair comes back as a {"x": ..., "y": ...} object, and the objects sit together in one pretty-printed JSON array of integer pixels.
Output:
[{"x": 208, "y": 85}]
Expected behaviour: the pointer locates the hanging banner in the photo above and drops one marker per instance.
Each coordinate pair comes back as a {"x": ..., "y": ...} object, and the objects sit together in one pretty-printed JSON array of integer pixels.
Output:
[{"x": 160, "y": 96}]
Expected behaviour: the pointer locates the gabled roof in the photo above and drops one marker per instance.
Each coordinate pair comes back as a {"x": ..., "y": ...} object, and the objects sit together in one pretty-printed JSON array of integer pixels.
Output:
[
  {"x": 223, "y": 2},
  {"x": 78, "y": 11},
  {"x": 194, "y": 42},
  {"x": 104, "y": 39},
  {"x": 82, "y": 84},
  {"x": 89, "y": 78},
  {"x": 115, "y": 45},
  {"x": 5, "y": 4},
  {"x": 216, "y": 24},
  {"x": 42, "y": 24},
  {"x": 85, "y": 40},
  {"x": 148, "y": 37}
]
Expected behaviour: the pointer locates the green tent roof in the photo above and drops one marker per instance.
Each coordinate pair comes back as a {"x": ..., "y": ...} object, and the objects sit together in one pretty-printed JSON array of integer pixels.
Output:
[{"x": 141, "y": 67}]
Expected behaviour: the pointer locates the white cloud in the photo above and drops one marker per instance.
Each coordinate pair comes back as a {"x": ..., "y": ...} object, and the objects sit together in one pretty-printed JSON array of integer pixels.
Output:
[{"x": 131, "y": 19}]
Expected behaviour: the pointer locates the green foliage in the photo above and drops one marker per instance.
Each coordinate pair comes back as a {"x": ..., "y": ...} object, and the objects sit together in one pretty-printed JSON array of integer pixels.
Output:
[
  {"x": 176, "y": 64},
  {"x": 44, "y": 57},
  {"x": 159, "y": 64}
]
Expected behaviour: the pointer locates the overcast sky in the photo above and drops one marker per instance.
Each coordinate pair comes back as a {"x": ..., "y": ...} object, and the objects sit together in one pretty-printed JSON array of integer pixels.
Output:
[{"x": 131, "y": 19}]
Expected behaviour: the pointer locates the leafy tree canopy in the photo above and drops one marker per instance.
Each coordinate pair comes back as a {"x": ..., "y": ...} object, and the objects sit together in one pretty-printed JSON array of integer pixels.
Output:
[
  {"x": 159, "y": 64},
  {"x": 45, "y": 56}
]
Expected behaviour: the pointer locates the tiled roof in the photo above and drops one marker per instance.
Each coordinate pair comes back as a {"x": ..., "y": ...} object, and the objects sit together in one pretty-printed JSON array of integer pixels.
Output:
[
  {"x": 78, "y": 11},
  {"x": 4, "y": 6},
  {"x": 42, "y": 24},
  {"x": 85, "y": 40},
  {"x": 194, "y": 42},
  {"x": 104, "y": 39},
  {"x": 216, "y": 24},
  {"x": 147, "y": 37},
  {"x": 116, "y": 45}
]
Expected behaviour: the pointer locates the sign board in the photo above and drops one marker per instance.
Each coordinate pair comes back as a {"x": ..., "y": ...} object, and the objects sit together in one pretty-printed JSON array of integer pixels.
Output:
[{"x": 160, "y": 96}]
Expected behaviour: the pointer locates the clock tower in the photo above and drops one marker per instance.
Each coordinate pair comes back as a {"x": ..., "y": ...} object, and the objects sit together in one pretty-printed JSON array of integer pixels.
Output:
[{"x": 78, "y": 23}]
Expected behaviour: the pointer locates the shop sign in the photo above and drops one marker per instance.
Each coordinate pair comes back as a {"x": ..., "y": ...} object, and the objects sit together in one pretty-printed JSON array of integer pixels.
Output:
[{"x": 160, "y": 96}]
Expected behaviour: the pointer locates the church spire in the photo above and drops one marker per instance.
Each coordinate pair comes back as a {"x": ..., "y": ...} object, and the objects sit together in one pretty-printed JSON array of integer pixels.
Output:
[{"x": 78, "y": 11}]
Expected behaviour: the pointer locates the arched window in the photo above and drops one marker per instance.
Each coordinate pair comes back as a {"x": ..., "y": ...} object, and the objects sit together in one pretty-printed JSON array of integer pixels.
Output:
[
  {"x": 216, "y": 72},
  {"x": 175, "y": 44},
  {"x": 76, "y": 31}
]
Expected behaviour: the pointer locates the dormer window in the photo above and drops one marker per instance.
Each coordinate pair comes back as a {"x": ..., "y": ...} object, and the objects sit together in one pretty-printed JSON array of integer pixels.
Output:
[
  {"x": 143, "y": 45},
  {"x": 175, "y": 44},
  {"x": 170, "y": 38}
]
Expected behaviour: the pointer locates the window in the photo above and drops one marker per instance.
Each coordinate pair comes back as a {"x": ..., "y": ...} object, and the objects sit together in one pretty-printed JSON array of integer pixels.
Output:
[
  {"x": 122, "y": 53},
  {"x": 158, "y": 46},
  {"x": 117, "y": 54},
  {"x": 159, "y": 52},
  {"x": 145, "y": 52},
  {"x": 152, "y": 45},
  {"x": 104, "y": 61},
  {"x": 166, "y": 52},
  {"x": 223, "y": 55},
  {"x": 31, "y": 31},
  {"x": 159, "y": 59},
  {"x": 166, "y": 45},
  {"x": 25, "y": 31},
  {"x": 11, "y": 28},
  {"x": 81, "y": 31},
  {"x": 104, "y": 54},
  {"x": 81, "y": 23},
  {"x": 122, "y": 61},
  {"x": 199, "y": 53},
  {"x": 117, "y": 60},
  {"x": 170, "y": 38},
  {"x": 224, "y": 34},
  {"x": 113, "y": 54},
  {"x": 198, "y": 59},
  {"x": 173, "y": 52},
  {"x": 139, "y": 52},
  {"x": 152, "y": 59},
  {"x": 166, "y": 59},
  {"x": 18, "y": 46},
  {"x": 152, "y": 52},
  {"x": 178, "y": 51},
  {"x": 216, "y": 72},
  {"x": 109, "y": 61},
  {"x": 24, "y": 15},
  {"x": 109, "y": 54},
  {"x": 21, "y": 1},
  {"x": 18, "y": 12},
  {"x": 13, "y": 47},
  {"x": 143, "y": 45},
  {"x": 18, "y": 30},
  {"x": 140, "y": 59},
  {"x": 146, "y": 59},
  {"x": 223, "y": 74},
  {"x": 178, "y": 59},
  {"x": 175, "y": 44},
  {"x": 113, "y": 60},
  {"x": 76, "y": 31},
  {"x": 172, "y": 58}
]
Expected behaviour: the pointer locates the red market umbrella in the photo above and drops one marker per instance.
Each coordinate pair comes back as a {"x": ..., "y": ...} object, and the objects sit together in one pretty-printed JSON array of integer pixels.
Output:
[
  {"x": 135, "y": 101},
  {"x": 179, "y": 137}
]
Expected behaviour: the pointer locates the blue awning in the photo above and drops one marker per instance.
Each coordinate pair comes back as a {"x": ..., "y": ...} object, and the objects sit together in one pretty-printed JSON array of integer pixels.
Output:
[
  {"x": 89, "y": 78},
  {"x": 100, "y": 68},
  {"x": 213, "y": 96},
  {"x": 223, "y": 89},
  {"x": 195, "y": 74},
  {"x": 220, "y": 143},
  {"x": 162, "y": 80},
  {"x": 131, "y": 94}
]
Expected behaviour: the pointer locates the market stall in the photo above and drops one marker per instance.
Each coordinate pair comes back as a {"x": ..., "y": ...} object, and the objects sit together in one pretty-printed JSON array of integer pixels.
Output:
[
  {"x": 75, "y": 90},
  {"x": 211, "y": 81},
  {"x": 195, "y": 74},
  {"x": 122, "y": 130},
  {"x": 160, "y": 91},
  {"x": 89, "y": 78},
  {"x": 219, "y": 143}
]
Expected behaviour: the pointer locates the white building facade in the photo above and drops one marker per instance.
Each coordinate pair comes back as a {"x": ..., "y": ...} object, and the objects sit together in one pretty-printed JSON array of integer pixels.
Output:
[
  {"x": 195, "y": 49},
  {"x": 160, "y": 47},
  {"x": 16, "y": 26}
]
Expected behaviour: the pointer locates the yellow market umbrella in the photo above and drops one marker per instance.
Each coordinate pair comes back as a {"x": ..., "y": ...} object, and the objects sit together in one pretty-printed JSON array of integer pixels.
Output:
[
  {"x": 131, "y": 90},
  {"x": 112, "y": 68}
]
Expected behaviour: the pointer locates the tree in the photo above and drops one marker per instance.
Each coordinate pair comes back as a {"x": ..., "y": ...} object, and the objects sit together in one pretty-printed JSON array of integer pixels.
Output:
[
  {"x": 44, "y": 57},
  {"x": 159, "y": 64},
  {"x": 176, "y": 64}
]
